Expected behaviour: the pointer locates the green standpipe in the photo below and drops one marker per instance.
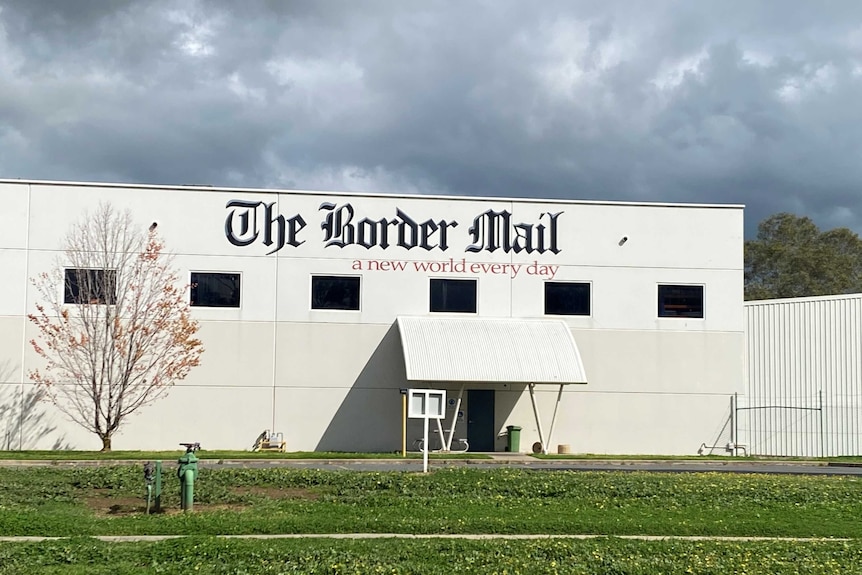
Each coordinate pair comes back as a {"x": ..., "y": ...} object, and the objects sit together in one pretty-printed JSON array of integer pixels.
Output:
[
  {"x": 188, "y": 490},
  {"x": 186, "y": 473},
  {"x": 153, "y": 478}
]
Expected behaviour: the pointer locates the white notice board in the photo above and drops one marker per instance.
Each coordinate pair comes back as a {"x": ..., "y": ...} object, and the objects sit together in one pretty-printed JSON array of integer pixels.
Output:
[{"x": 426, "y": 403}]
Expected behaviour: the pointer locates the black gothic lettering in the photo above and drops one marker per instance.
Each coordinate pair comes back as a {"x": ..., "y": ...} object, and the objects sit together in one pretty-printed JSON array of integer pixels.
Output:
[
  {"x": 277, "y": 230},
  {"x": 494, "y": 230},
  {"x": 247, "y": 223}
]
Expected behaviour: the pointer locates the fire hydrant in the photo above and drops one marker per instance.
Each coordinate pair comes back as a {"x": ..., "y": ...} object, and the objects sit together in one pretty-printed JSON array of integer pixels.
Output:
[{"x": 186, "y": 472}]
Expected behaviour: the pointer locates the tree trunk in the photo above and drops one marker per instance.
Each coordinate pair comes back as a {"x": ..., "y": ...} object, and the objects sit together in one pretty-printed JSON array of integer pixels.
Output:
[{"x": 106, "y": 443}]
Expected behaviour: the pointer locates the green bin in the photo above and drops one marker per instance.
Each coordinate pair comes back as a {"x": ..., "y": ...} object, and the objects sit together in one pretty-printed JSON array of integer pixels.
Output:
[{"x": 513, "y": 439}]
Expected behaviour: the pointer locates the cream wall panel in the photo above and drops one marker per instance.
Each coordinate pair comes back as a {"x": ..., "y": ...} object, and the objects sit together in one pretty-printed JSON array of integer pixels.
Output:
[
  {"x": 338, "y": 356},
  {"x": 217, "y": 417},
  {"x": 41, "y": 425},
  {"x": 657, "y": 235},
  {"x": 610, "y": 423},
  {"x": 666, "y": 362},
  {"x": 326, "y": 419},
  {"x": 11, "y": 409},
  {"x": 191, "y": 222},
  {"x": 16, "y": 281},
  {"x": 236, "y": 354},
  {"x": 12, "y": 349},
  {"x": 14, "y": 217}
]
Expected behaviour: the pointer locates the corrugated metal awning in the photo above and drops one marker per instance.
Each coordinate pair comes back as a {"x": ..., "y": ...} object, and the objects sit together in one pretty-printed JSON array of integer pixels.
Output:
[{"x": 490, "y": 350}]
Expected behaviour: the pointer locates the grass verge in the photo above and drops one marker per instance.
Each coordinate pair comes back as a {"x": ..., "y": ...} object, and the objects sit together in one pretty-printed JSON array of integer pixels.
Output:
[
  {"x": 217, "y": 556},
  {"x": 109, "y": 500}
]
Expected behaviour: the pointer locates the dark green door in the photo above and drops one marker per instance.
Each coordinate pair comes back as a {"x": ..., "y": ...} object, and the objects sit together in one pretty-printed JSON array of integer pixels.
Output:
[{"x": 480, "y": 419}]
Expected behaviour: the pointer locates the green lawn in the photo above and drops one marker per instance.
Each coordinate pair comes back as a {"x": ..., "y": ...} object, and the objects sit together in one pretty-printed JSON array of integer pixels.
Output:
[
  {"x": 109, "y": 500},
  {"x": 430, "y": 557},
  {"x": 80, "y": 501}
]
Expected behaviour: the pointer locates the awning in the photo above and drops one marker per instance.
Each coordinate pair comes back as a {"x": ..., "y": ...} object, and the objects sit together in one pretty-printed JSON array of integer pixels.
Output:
[
  {"x": 506, "y": 350},
  {"x": 490, "y": 350}
]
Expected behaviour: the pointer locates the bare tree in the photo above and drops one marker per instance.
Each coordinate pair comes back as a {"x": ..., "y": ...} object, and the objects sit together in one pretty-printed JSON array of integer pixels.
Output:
[{"x": 114, "y": 329}]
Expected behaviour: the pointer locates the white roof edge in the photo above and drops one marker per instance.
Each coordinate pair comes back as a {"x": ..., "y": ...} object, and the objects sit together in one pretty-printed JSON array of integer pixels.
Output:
[
  {"x": 811, "y": 298},
  {"x": 206, "y": 188}
]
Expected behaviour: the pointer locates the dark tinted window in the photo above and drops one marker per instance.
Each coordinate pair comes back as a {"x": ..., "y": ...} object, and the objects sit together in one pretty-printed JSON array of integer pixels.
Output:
[
  {"x": 334, "y": 292},
  {"x": 87, "y": 286},
  {"x": 215, "y": 289},
  {"x": 453, "y": 295},
  {"x": 567, "y": 298},
  {"x": 680, "y": 301}
]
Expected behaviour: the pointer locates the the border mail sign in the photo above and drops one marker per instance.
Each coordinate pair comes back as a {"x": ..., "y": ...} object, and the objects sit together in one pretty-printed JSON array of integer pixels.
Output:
[{"x": 341, "y": 226}]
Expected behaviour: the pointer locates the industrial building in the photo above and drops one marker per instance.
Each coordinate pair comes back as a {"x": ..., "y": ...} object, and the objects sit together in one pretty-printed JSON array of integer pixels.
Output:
[{"x": 594, "y": 326}]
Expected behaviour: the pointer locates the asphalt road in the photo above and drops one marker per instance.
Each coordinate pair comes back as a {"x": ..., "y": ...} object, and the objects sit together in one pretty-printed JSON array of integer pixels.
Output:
[
  {"x": 671, "y": 466},
  {"x": 737, "y": 465}
]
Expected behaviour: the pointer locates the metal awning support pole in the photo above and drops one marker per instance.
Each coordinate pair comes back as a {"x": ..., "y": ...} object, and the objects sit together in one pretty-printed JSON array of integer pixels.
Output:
[
  {"x": 538, "y": 419},
  {"x": 441, "y": 436},
  {"x": 455, "y": 417},
  {"x": 554, "y": 417}
]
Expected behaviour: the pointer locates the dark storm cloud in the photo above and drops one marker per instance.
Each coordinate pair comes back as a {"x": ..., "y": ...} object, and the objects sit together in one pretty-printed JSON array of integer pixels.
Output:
[{"x": 742, "y": 102}]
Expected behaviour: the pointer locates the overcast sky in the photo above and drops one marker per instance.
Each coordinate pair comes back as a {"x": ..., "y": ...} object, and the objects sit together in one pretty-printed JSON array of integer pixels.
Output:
[{"x": 754, "y": 102}]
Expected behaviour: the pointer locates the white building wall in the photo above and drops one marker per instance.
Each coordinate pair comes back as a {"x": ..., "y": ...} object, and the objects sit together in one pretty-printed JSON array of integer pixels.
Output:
[
  {"x": 804, "y": 384},
  {"x": 329, "y": 380}
]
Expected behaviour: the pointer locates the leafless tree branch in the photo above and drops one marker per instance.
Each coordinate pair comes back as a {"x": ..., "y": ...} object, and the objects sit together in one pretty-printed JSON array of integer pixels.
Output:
[{"x": 115, "y": 329}]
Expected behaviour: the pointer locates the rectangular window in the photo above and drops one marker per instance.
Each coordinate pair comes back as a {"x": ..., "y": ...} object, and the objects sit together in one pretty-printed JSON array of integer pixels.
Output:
[
  {"x": 680, "y": 301},
  {"x": 457, "y": 296},
  {"x": 335, "y": 292},
  {"x": 209, "y": 289},
  {"x": 567, "y": 298},
  {"x": 90, "y": 286}
]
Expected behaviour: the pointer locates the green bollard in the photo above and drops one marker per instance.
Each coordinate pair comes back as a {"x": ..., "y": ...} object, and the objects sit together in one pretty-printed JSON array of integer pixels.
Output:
[{"x": 186, "y": 473}]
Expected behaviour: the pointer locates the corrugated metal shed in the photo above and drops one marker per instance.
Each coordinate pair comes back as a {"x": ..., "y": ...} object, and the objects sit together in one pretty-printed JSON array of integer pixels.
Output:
[
  {"x": 490, "y": 350},
  {"x": 804, "y": 389}
]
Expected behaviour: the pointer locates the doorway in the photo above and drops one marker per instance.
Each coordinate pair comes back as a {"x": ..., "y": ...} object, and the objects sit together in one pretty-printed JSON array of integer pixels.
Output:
[{"x": 480, "y": 419}]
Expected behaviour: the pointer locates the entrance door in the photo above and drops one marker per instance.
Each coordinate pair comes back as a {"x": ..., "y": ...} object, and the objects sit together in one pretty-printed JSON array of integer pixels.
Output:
[{"x": 480, "y": 419}]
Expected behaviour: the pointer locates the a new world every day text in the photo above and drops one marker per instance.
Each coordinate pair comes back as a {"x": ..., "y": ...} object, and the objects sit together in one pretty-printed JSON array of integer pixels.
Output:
[{"x": 461, "y": 266}]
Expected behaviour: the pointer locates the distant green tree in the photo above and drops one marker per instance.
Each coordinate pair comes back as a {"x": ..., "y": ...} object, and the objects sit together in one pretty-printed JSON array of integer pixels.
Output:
[{"x": 791, "y": 257}]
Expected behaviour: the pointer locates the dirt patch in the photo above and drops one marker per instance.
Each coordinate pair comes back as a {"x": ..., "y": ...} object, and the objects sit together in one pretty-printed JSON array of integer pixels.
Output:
[
  {"x": 277, "y": 492},
  {"x": 107, "y": 505},
  {"x": 102, "y": 503}
]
